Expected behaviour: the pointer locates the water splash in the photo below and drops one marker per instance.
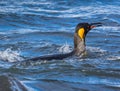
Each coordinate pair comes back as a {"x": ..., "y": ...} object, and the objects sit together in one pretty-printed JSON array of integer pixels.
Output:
[
  {"x": 113, "y": 58},
  {"x": 95, "y": 49},
  {"x": 10, "y": 55},
  {"x": 65, "y": 48}
]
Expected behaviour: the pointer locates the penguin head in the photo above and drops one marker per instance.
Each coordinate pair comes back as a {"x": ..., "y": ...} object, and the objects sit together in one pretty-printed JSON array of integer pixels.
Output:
[{"x": 83, "y": 28}]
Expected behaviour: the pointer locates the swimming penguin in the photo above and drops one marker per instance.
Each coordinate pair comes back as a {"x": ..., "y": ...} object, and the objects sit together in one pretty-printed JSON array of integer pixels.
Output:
[{"x": 81, "y": 31}]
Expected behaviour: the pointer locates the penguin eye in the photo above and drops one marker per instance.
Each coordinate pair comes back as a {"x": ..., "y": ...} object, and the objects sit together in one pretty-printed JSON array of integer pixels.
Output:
[{"x": 88, "y": 27}]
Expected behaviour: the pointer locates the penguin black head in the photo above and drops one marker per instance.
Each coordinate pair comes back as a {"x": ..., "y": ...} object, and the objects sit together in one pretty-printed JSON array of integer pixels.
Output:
[{"x": 83, "y": 28}]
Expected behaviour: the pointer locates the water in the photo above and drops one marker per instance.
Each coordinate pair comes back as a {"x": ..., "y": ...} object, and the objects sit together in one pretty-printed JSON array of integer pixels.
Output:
[{"x": 38, "y": 27}]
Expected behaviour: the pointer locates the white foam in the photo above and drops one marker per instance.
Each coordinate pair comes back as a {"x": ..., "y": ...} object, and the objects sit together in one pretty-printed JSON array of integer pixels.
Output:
[
  {"x": 114, "y": 58},
  {"x": 17, "y": 6},
  {"x": 115, "y": 28},
  {"x": 10, "y": 55},
  {"x": 23, "y": 31},
  {"x": 20, "y": 31},
  {"x": 107, "y": 29},
  {"x": 11, "y": 9},
  {"x": 79, "y": 11},
  {"x": 95, "y": 49},
  {"x": 65, "y": 48},
  {"x": 36, "y": 3},
  {"x": 2, "y": 33},
  {"x": 84, "y": 11}
]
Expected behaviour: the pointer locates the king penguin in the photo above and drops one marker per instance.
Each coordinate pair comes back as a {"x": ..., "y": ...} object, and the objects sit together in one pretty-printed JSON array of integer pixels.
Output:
[{"x": 80, "y": 33}]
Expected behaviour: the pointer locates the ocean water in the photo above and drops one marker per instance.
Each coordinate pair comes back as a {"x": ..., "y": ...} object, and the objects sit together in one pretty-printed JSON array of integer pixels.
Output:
[{"x": 31, "y": 28}]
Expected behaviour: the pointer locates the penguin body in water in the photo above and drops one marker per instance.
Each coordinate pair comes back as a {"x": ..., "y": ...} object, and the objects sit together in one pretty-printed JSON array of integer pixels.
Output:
[{"x": 81, "y": 31}]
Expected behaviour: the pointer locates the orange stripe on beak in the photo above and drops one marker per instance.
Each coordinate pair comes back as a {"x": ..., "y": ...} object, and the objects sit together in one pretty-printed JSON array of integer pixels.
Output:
[{"x": 92, "y": 26}]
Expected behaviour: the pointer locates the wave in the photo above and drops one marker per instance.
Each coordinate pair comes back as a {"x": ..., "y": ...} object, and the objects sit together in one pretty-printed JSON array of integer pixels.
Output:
[
  {"x": 76, "y": 12},
  {"x": 55, "y": 10},
  {"x": 36, "y": 3},
  {"x": 113, "y": 58},
  {"x": 10, "y": 55},
  {"x": 112, "y": 28},
  {"x": 26, "y": 31},
  {"x": 51, "y": 84},
  {"x": 107, "y": 29},
  {"x": 87, "y": 80},
  {"x": 96, "y": 49},
  {"x": 61, "y": 31},
  {"x": 20, "y": 31}
]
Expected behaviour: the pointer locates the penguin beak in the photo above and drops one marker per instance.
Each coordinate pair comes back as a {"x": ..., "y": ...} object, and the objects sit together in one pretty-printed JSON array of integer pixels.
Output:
[{"x": 93, "y": 25}]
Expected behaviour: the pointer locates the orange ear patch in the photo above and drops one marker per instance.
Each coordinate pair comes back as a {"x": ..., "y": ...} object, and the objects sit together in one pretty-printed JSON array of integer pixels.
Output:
[{"x": 81, "y": 33}]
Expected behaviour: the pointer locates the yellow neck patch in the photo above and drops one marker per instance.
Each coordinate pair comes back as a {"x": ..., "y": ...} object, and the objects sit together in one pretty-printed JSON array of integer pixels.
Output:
[{"x": 81, "y": 33}]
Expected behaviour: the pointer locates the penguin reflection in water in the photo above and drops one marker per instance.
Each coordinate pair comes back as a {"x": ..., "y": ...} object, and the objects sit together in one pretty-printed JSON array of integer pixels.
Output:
[{"x": 81, "y": 31}]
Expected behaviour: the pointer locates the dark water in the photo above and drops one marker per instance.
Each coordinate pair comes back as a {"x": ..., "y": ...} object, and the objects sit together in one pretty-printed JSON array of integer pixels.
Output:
[{"x": 37, "y": 27}]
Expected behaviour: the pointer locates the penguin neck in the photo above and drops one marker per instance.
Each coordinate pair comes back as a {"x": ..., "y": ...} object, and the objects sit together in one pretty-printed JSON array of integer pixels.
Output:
[{"x": 79, "y": 45}]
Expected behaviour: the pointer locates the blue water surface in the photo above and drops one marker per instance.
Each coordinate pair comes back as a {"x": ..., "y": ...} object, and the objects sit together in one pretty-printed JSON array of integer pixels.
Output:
[{"x": 30, "y": 28}]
